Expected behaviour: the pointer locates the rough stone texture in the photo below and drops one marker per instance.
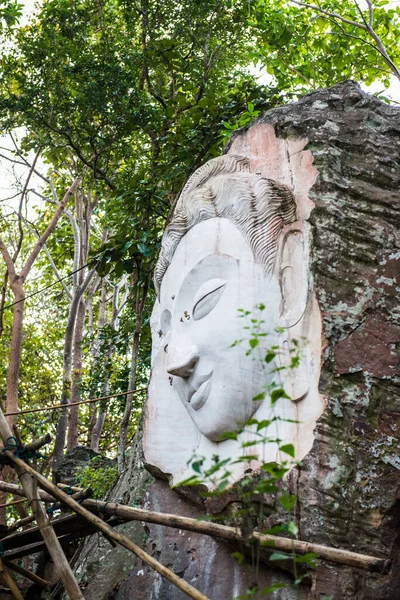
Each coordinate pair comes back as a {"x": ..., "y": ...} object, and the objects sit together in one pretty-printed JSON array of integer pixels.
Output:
[
  {"x": 348, "y": 484},
  {"x": 75, "y": 459}
]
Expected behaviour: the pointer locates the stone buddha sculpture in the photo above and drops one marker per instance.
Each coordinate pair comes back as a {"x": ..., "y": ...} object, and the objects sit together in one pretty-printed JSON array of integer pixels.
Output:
[{"x": 232, "y": 247}]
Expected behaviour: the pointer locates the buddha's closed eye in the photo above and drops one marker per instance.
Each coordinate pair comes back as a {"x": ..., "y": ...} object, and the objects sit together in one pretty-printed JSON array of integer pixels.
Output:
[{"x": 207, "y": 297}]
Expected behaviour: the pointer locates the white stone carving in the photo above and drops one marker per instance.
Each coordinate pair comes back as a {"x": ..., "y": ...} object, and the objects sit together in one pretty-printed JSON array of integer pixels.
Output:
[{"x": 233, "y": 243}]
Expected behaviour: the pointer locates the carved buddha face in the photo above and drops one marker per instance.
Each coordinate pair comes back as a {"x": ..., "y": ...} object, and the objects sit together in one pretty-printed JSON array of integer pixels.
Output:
[
  {"x": 233, "y": 243},
  {"x": 212, "y": 275}
]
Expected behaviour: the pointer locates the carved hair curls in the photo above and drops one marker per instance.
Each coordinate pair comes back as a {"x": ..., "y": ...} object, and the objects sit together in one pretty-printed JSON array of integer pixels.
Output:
[{"x": 225, "y": 188}]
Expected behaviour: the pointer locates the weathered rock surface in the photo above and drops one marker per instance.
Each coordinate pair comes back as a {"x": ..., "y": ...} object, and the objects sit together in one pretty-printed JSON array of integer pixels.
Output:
[
  {"x": 348, "y": 484},
  {"x": 78, "y": 458}
]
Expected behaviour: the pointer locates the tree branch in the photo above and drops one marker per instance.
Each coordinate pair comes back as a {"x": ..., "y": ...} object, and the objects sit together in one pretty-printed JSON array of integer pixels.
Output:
[
  {"x": 7, "y": 259},
  {"x": 330, "y": 14},
  {"x": 49, "y": 229},
  {"x": 51, "y": 261},
  {"x": 21, "y": 202},
  {"x": 367, "y": 27}
]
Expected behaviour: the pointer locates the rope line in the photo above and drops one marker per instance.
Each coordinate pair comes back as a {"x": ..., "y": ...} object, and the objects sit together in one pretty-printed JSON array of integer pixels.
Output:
[
  {"x": 22, "y": 452},
  {"x": 59, "y": 406},
  {"x": 47, "y": 286}
]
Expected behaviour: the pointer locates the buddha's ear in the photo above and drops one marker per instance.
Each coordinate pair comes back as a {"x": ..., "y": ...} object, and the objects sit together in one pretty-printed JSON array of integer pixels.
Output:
[
  {"x": 294, "y": 277},
  {"x": 295, "y": 280}
]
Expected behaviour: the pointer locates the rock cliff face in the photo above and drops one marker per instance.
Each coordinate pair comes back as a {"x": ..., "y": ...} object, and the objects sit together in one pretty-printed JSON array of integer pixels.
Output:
[{"x": 348, "y": 484}]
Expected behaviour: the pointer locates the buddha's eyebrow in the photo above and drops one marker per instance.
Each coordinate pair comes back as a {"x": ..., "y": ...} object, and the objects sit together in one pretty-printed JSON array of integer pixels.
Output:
[{"x": 202, "y": 272}]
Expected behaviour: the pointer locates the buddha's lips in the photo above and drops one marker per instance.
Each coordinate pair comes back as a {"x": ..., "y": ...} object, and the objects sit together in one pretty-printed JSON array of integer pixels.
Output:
[{"x": 199, "y": 391}]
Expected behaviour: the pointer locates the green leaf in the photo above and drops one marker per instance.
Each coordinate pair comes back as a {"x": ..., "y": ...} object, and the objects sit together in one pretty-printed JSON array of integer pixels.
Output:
[
  {"x": 144, "y": 249},
  {"x": 249, "y": 444},
  {"x": 266, "y": 487},
  {"x": 279, "y": 556},
  {"x": 288, "y": 449},
  {"x": 308, "y": 559},
  {"x": 257, "y": 398},
  {"x": 269, "y": 357},
  {"x": 287, "y": 501},
  {"x": 277, "y": 471},
  {"x": 274, "y": 530},
  {"x": 250, "y": 107},
  {"x": 263, "y": 424},
  {"x": 291, "y": 528},
  {"x": 239, "y": 557},
  {"x": 192, "y": 480},
  {"x": 277, "y": 394},
  {"x": 196, "y": 466},
  {"x": 253, "y": 342},
  {"x": 229, "y": 435},
  {"x": 273, "y": 588}
]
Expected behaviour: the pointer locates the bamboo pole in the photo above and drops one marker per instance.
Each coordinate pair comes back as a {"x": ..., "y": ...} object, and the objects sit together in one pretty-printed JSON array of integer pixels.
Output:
[
  {"x": 20, "y": 523},
  {"x": 25, "y": 573},
  {"x": 121, "y": 539},
  {"x": 9, "y": 581},
  {"x": 12, "y": 503},
  {"x": 17, "y": 490},
  {"x": 335, "y": 555},
  {"x": 74, "y": 488},
  {"x": 53, "y": 545},
  {"x": 34, "y": 446}
]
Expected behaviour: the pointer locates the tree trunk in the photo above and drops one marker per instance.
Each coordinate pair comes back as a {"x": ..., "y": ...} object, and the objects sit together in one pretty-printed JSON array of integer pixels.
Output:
[
  {"x": 15, "y": 350},
  {"x": 67, "y": 371},
  {"x": 139, "y": 307},
  {"x": 73, "y": 433},
  {"x": 116, "y": 310},
  {"x": 3, "y": 301},
  {"x": 96, "y": 358}
]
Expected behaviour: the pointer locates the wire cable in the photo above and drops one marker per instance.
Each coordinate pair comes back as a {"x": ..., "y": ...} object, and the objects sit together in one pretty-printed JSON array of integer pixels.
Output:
[
  {"x": 67, "y": 405},
  {"x": 47, "y": 287}
]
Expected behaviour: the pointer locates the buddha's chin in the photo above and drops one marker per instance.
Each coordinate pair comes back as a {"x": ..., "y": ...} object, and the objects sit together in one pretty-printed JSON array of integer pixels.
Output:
[{"x": 213, "y": 428}]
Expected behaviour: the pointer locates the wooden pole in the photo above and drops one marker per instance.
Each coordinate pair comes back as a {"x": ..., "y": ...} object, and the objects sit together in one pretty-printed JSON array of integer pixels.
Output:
[
  {"x": 121, "y": 539},
  {"x": 53, "y": 545},
  {"x": 18, "y": 524},
  {"x": 25, "y": 573},
  {"x": 12, "y": 503},
  {"x": 335, "y": 555},
  {"x": 9, "y": 582},
  {"x": 34, "y": 446}
]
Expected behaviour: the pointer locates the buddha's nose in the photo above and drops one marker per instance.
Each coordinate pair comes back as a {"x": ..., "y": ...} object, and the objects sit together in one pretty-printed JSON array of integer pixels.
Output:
[{"x": 181, "y": 362}]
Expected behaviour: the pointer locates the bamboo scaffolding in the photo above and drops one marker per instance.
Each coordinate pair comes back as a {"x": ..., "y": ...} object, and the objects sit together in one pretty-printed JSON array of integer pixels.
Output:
[
  {"x": 121, "y": 539},
  {"x": 130, "y": 513},
  {"x": 35, "y": 446},
  {"x": 9, "y": 581},
  {"x": 25, "y": 573},
  {"x": 53, "y": 545},
  {"x": 18, "y": 524},
  {"x": 12, "y": 503}
]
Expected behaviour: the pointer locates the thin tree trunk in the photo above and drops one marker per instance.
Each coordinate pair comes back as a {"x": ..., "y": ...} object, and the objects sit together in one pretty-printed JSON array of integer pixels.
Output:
[
  {"x": 141, "y": 295},
  {"x": 16, "y": 283},
  {"x": 97, "y": 428},
  {"x": 129, "y": 402},
  {"x": 15, "y": 350},
  {"x": 3, "y": 301},
  {"x": 101, "y": 321},
  {"x": 73, "y": 433},
  {"x": 67, "y": 371}
]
